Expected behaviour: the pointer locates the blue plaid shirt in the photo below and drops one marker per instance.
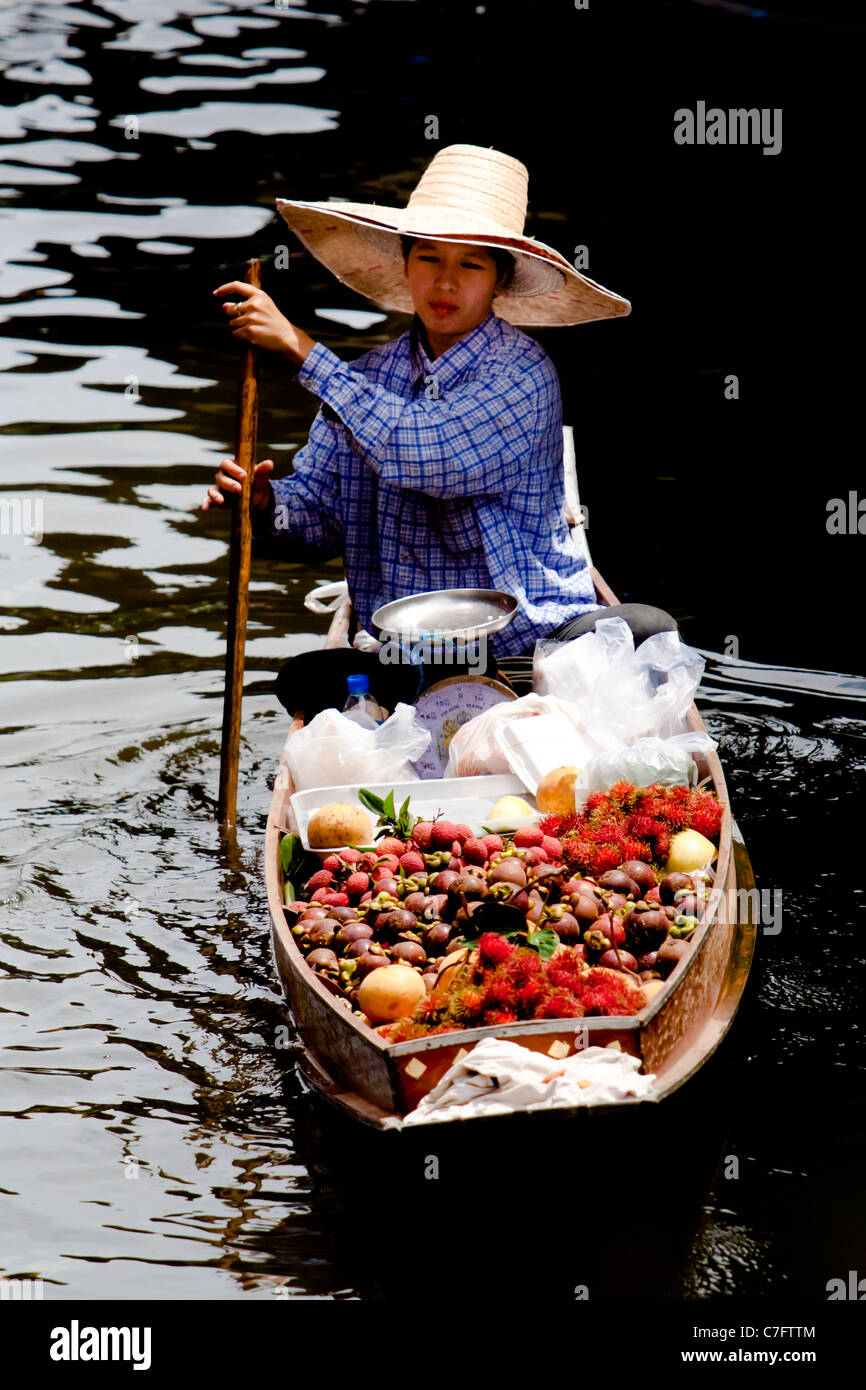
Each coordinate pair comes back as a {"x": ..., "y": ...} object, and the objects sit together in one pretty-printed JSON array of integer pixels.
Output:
[{"x": 443, "y": 474}]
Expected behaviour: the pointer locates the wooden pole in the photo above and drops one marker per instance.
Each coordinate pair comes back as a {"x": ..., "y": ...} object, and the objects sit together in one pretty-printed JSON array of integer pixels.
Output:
[{"x": 239, "y": 576}]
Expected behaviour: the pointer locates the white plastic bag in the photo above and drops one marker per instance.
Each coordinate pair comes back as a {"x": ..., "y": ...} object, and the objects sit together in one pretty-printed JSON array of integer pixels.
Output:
[
  {"x": 667, "y": 761},
  {"x": 333, "y": 751},
  {"x": 618, "y": 693},
  {"x": 477, "y": 748}
]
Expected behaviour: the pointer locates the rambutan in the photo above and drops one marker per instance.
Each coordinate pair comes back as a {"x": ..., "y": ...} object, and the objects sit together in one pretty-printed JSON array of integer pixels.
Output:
[
  {"x": 468, "y": 1004},
  {"x": 593, "y": 801},
  {"x": 643, "y": 826},
  {"x": 608, "y": 992},
  {"x": 494, "y": 1016},
  {"x": 608, "y": 857},
  {"x": 676, "y": 815},
  {"x": 524, "y": 966},
  {"x": 606, "y": 832},
  {"x": 663, "y": 846},
  {"x": 580, "y": 855},
  {"x": 705, "y": 822},
  {"x": 558, "y": 1003},
  {"x": 556, "y": 825},
  {"x": 623, "y": 793},
  {"x": 429, "y": 1009},
  {"x": 494, "y": 948},
  {"x": 529, "y": 996},
  {"x": 499, "y": 993},
  {"x": 636, "y": 849}
]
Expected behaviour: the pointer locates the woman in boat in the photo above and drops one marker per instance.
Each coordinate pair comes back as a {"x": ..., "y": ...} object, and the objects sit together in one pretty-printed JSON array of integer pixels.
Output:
[{"x": 435, "y": 461}]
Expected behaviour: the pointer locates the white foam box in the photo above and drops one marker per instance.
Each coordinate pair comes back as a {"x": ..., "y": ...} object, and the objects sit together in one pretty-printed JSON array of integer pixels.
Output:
[{"x": 463, "y": 799}]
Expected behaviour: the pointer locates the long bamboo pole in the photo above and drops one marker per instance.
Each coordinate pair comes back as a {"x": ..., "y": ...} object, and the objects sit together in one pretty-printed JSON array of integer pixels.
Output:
[{"x": 239, "y": 576}]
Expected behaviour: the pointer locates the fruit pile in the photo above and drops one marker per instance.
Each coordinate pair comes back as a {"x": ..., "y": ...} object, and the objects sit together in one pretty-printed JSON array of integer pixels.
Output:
[
  {"x": 459, "y": 929},
  {"x": 629, "y": 822}
]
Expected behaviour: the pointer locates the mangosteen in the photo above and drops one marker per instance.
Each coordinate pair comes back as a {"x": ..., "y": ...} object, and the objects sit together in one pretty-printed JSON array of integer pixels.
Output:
[
  {"x": 441, "y": 882},
  {"x": 643, "y": 874},
  {"x": 688, "y": 904},
  {"x": 435, "y": 907},
  {"x": 343, "y": 914},
  {"x": 620, "y": 883},
  {"x": 410, "y": 952},
  {"x": 436, "y": 938},
  {"x": 586, "y": 909},
  {"x": 355, "y": 949},
  {"x": 647, "y": 961},
  {"x": 370, "y": 962},
  {"x": 624, "y": 961},
  {"x": 508, "y": 870},
  {"x": 670, "y": 953},
  {"x": 415, "y": 902},
  {"x": 565, "y": 924},
  {"x": 385, "y": 885},
  {"x": 322, "y": 933},
  {"x": 397, "y": 919},
  {"x": 645, "y": 931},
  {"x": 323, "y": 959},
  {"x": 352, "y": 931},
  {"x": 672, "y": 883}
]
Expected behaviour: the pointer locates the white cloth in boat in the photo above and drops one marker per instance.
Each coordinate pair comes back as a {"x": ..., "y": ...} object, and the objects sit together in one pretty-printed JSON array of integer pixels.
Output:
[
  {"x": 437, "y": 474},
  {"x": 498, "y": 1077}
]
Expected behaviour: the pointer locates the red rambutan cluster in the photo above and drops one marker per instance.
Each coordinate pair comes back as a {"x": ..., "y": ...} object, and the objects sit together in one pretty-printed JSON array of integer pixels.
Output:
[{"x": 636, "y": 823}]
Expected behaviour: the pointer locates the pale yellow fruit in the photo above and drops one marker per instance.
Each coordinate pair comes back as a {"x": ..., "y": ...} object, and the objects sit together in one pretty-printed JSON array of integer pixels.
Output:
[
  {"x": 555, "y": 795},
  {"x": 339, "y": 824},
  {"x": 651, "y": 988},
  {"x": 510, "y": 806},
  {"x": 393, "y": 992},
  {"x": 689, "y": 850}
]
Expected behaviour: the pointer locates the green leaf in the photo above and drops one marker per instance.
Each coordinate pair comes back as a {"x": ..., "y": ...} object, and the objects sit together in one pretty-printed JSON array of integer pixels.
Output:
[
  {"x": 289, "y": 852},
  {"x": 288, "y": 892},
  {"x": 544, "y": 941},
  {"x": 371, "y": 801},
  {"x": 388, "y": 808}
]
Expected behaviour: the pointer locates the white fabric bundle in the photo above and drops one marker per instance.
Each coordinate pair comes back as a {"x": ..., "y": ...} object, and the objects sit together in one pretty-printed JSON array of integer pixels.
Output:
[{"x": 498, "y": 1077}]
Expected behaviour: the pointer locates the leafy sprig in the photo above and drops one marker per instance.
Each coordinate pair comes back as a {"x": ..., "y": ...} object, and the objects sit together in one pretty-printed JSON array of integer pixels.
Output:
[{"x": 392, "y": 822}]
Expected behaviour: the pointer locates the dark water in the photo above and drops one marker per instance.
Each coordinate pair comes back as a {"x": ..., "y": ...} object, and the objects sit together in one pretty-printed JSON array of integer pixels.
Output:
[{"x": 154, "y": 1142}]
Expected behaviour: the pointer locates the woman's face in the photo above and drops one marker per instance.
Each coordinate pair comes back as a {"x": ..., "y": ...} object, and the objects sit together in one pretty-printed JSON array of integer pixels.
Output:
[{"x": 452, "y": 288}]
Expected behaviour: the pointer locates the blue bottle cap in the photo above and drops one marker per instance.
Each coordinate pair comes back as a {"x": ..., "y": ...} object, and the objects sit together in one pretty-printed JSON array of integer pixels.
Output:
[{"x": 358, "y": 685}]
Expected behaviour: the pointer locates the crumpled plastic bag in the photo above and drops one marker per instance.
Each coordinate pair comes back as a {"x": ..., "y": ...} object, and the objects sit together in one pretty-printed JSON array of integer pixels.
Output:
[
  {"x": 666, "y": 761},
  {"x": 333, "y": 751},
  {"x": 618, "y": 693},
  {"x": 477, "y": 747},
  {"x": 498, "y": 1077}
]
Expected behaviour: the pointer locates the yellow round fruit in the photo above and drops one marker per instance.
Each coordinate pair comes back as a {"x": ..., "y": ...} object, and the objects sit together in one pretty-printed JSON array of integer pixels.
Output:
[
  {"x": 337, "y": 824},
  {"x": 394, "y": 991},
  {"x": 555, "y": 795},
  {"x": 689, "y": 850},
  {"x": 513, "y": 806}
]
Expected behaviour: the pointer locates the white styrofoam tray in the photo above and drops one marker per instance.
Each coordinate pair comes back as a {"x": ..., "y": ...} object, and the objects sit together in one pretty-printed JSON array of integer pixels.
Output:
[{"x": 466, "y": 799}]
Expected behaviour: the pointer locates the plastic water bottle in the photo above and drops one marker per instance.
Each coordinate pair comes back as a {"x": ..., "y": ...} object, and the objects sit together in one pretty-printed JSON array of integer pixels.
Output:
[{"x": 360, "y": 706}]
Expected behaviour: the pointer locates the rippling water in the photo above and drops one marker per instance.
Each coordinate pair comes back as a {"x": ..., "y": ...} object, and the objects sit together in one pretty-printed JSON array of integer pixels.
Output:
[{"x": 154, "y": 1142}]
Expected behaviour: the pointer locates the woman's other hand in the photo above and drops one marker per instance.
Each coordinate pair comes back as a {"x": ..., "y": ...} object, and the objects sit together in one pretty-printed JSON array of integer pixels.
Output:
[
  {"x": 229, "y": 478},
  {"x": 253, "y": 315}
]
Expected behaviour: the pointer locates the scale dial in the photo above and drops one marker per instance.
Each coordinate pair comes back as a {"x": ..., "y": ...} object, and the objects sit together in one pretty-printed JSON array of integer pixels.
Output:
[{"x": 445, "y": 707}]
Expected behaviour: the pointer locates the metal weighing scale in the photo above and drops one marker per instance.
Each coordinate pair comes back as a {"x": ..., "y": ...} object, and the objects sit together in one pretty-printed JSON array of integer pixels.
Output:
[{"x": 449, "y": 615}]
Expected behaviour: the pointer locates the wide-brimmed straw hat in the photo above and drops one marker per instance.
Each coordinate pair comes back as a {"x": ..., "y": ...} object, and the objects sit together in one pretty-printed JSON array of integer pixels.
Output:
[{"x": 466, "y": 194}]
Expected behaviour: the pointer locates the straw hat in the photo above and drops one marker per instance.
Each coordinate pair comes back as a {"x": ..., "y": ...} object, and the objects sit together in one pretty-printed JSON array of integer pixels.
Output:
[{"x": 466, "y": 194}]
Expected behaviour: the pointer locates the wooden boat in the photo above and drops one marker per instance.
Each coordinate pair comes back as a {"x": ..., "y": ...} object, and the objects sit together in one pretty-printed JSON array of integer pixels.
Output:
[{"x": 376, "y": 1082}]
